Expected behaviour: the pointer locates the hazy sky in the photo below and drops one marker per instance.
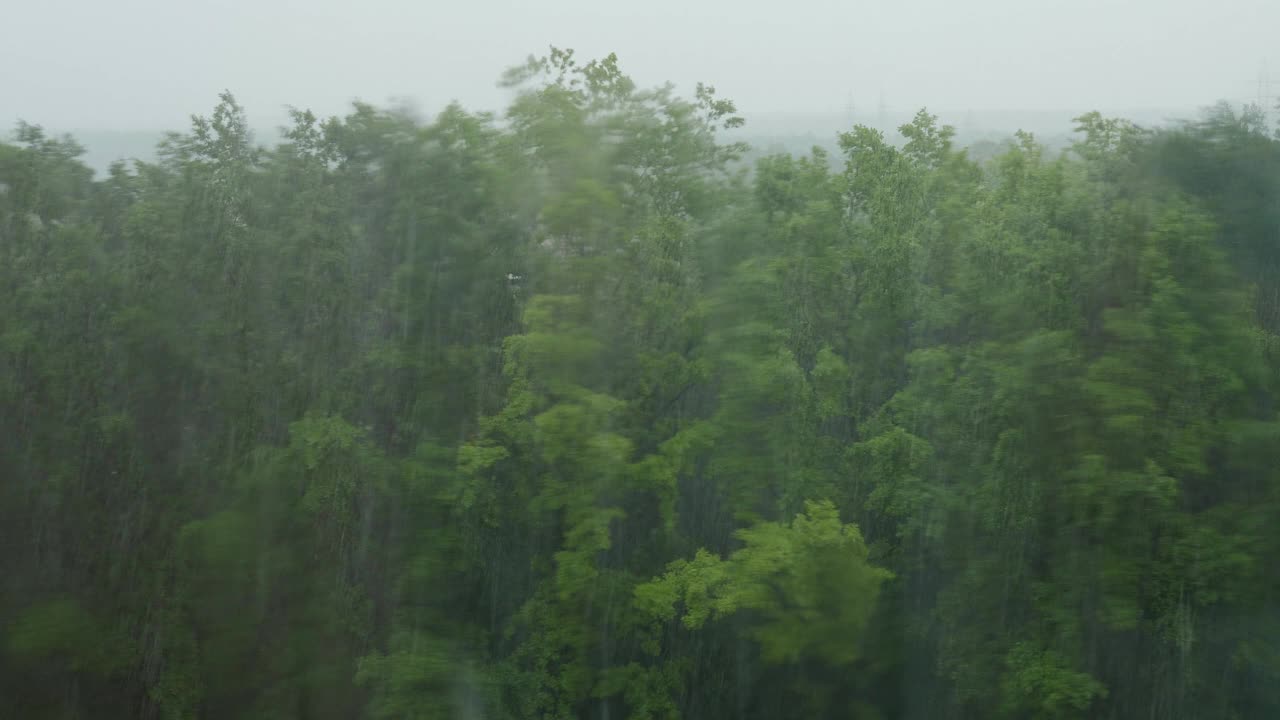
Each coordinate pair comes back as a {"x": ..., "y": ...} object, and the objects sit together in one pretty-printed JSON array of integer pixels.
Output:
[{"x": 125, "y": 64}]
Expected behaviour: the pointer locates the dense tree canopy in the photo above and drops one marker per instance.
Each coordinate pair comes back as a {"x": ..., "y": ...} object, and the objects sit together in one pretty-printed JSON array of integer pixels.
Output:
[{"x": 570, "y": 413}]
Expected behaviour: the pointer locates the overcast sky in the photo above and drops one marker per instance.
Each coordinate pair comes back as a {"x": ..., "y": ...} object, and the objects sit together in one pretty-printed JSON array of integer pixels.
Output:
[{"x": 148, "y": 64}]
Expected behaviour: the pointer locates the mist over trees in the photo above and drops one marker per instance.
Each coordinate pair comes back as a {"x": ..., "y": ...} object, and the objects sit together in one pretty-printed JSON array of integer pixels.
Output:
[{"x": 571, "y": 413}]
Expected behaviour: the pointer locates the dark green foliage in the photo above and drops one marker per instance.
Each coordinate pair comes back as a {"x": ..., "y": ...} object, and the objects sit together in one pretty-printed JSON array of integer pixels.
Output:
[{"x": 558, "y": 415}]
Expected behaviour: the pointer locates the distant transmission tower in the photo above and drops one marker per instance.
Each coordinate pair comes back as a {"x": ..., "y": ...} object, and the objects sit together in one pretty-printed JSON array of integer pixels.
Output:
[{"x": 1268, "y": 91}]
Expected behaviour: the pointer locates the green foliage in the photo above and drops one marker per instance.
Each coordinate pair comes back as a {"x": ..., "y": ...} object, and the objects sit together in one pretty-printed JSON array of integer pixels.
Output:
[
  {"x": 807, "y": 582},
  {"x": 62, "y": 631},
  {"x": 1041, "y": 685},
  {"x": 550, "y": 415},
  {"x": 419, "y": 678}
]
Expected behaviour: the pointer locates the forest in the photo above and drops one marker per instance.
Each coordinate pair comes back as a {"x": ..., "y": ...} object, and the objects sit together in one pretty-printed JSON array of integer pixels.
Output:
[{"x": 574, "y": 412}]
